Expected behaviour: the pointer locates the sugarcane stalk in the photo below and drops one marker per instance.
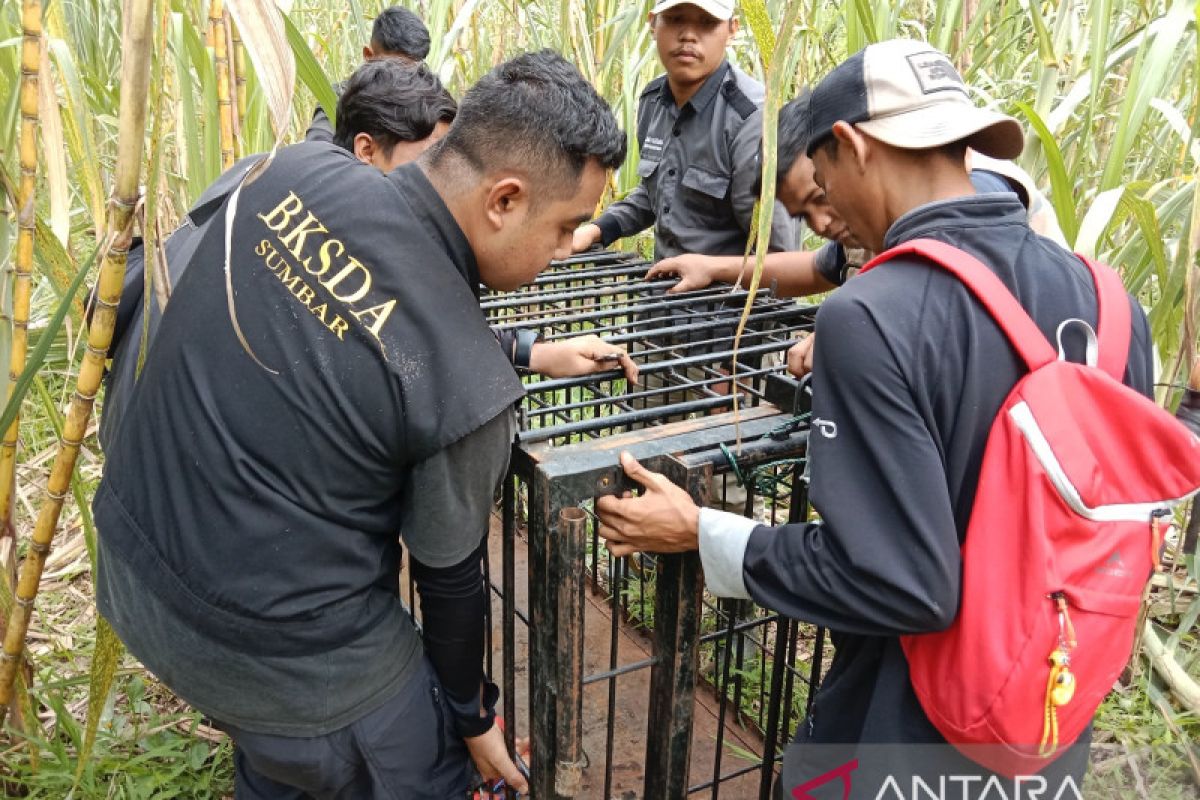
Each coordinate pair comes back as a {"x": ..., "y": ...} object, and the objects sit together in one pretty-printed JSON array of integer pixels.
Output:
[
  {"x": 1184, "y": 687},
  {"x": 239, "y": 81},
  {"x": 135, "y": 79},
  {"x": 216, "y": 23},
  {"x": 31, "y": 59},
  {"x": 234, "y": 116}
]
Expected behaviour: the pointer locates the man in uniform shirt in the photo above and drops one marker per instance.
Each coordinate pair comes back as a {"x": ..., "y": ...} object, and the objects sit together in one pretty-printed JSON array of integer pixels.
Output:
[
  {"x": 700, "y": 133},
  {"x": 910, "y": 373},
  {"x": 249, "y": 553}
]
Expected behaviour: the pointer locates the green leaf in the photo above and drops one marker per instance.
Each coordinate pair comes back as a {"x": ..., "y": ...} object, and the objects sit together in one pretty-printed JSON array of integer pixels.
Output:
[
  {"x": 55, "y": 265},
  {"x": 105, "y": 659},
  {"x": 46, "y": 338},
  {"x": 1062, "y": 193},
  {"x": 310, "y": 72}
]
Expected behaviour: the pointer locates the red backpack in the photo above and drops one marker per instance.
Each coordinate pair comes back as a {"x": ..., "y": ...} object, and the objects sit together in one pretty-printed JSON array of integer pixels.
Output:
[{"x": 1078, "y": 480}]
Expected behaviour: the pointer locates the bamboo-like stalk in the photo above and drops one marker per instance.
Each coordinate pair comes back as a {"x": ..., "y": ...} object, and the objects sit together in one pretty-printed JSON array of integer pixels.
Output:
[
  {"x": 239, "y": 81},
  {"x": 135, "y": 79},
  {"x": 231, "y": 58},
  {"x": 216, "y": 22},
  {"x": 31, "y": 59}
]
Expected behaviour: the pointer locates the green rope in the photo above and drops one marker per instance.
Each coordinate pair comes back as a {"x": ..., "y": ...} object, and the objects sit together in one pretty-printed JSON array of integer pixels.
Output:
[
  {"x": 763, "y": 479},
  {"x": 784, "y": 428},
  {"x": 737, "y": 471}
]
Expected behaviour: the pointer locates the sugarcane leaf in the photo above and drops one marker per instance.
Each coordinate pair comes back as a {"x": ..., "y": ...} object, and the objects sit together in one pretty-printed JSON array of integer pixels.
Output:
[
  {"x": 267, "y": 43},
  {"x": 1062, "y": 194},
  {"x": 54, "y": 152},
  {"x": 1096, "y": 221},
  {"x": 106, "y": 657},
  {"x": 310, "y": 72},
  {"x": 48, "y": 334}
]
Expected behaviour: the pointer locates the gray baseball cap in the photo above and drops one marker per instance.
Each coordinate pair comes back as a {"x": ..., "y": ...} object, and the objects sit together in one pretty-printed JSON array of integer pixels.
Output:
[{"x": 908, "y": 94}]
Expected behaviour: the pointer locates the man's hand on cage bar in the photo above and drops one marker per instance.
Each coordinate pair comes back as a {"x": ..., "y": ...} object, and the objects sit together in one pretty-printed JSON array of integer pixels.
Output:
[
  {"x": 694, "y": 271},
  {"x": 800, "y": 356},
  {"x": 663, "y": 520},
  {"x": 581, "y": 355}
]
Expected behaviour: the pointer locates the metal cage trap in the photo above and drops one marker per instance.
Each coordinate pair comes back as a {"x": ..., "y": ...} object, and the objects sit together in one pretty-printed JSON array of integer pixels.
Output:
[{"x": 640, "y": 684}]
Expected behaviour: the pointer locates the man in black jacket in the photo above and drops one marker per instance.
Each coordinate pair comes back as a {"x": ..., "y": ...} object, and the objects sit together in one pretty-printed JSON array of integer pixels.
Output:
[
  {"x": 390, "y": 113},
  {"x": 910, "y": 373},
  {"x": 351, "y": 390}
]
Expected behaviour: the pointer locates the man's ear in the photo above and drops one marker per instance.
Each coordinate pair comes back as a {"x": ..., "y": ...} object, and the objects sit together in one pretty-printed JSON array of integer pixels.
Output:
[
  {"x": 364, "y": 147},
  {"x": 734, "y": 26},
  {"x": 368, "y": 53},
  {"x": 650, "y": 20},
  {"x": 854, "y": 143},
  {"x": 507, "y": 196}
]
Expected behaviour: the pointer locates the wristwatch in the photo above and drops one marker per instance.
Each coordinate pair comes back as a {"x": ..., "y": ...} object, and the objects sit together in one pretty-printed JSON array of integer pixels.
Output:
[{"x": 523, "y": 347}]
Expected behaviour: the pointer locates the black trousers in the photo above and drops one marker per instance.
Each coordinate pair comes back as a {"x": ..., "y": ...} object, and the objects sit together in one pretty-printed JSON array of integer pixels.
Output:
[{"x": 404, "y": 749}]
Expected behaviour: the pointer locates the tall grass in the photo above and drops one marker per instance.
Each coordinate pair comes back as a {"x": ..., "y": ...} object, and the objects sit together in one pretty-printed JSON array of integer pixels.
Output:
[{"x": 1109, "y": 89}]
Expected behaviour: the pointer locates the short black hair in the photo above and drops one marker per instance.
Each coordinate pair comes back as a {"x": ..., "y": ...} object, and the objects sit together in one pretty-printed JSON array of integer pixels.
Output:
[
  {"x": 538, "y": 114},
  {"x": 793, "y": 134},
  {"x": 399, "y": 32},
  {"x": 394, "y": 101}
]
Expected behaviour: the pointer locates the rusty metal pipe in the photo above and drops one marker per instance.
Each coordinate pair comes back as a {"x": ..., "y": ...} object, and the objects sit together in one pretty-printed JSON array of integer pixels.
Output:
[{"x": 572, "y": 549}]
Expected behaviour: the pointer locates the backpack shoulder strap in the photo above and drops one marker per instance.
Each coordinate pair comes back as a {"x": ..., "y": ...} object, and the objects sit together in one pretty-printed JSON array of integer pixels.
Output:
[
  {"x": 1026, "y": 338},
  {"x": 1113, "y": 318}
]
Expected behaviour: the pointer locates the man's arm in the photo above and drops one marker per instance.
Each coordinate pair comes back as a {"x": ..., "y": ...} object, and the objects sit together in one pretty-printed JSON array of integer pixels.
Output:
[
  {"x": 794, "y": 273},
  {"x": 632, "y": 214},
  {"x": 885, "y": 559},
  {"x": 564, "y": 358},
  {"x": 447, "y": 500},
  {"x": 745, "y": 155}
]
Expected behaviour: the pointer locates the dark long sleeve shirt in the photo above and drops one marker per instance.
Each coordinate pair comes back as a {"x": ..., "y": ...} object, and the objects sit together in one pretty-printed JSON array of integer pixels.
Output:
[{"x": 910, "y": 372}]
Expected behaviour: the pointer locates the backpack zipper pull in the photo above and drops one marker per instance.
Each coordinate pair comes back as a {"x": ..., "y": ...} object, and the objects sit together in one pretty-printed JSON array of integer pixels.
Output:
[
  {"x": 1156, "y": 536},
  {"x": 1066, "y": 631}
]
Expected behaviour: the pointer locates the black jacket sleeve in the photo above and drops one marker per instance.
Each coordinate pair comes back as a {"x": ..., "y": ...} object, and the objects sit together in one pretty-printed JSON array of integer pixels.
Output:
[
  {"x": 453, "y": 608},
  {"x": 885, "y": 559}
]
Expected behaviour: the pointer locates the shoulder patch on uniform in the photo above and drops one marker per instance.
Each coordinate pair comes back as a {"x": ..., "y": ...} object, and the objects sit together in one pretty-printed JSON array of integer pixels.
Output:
[{"x": 737, "y": 99}]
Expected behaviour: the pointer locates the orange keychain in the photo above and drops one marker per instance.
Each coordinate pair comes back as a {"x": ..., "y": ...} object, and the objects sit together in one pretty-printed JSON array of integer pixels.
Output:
[{"x": 1060, "y": 687}]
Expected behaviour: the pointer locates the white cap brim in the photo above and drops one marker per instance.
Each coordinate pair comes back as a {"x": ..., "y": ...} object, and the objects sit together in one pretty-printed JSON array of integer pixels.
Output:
[
  {"x": 714, "y": 8},
  {"x": 988, "y": 132}
]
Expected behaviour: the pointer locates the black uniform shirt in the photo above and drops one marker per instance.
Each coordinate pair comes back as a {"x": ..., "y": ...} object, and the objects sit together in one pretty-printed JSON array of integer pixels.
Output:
[{"x": 699, "y": 170}]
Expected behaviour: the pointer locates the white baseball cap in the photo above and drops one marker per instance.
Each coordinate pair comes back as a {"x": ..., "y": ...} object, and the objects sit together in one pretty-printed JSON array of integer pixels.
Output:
[
  {"x": 908, "y": 94},
  {"x": 721, "y": 9}
]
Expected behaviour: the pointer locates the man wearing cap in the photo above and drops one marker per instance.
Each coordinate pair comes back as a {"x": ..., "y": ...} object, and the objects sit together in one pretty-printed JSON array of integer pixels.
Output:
[
  {"x": 699, "y": 134},
  {"x": 909, "y": 375},
  {"x": 796, "y": 273}
]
